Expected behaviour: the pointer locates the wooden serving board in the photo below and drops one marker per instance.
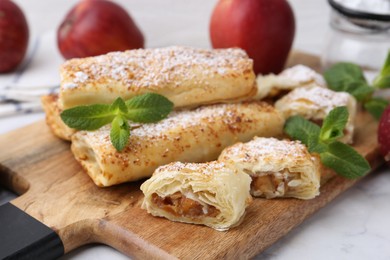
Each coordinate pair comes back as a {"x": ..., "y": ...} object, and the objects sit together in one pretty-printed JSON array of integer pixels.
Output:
[{"x": 57, "y": 192}]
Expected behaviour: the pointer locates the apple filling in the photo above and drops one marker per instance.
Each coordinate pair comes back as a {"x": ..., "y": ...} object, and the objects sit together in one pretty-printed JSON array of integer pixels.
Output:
[
  {"x": 179, "y": 205},
  {"x": 273, "y": 184}
]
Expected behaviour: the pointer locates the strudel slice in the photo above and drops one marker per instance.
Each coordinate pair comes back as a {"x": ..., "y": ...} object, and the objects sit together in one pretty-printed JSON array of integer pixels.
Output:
[
  {"x": 315, "y": 103},
  {"x": 272, "y": 85},
  {"x": 278, "y": 168},
  {"x": 187, "y": 76},
  {"x": 200, "y": 193},
  {"x": 188, "y": 136}
]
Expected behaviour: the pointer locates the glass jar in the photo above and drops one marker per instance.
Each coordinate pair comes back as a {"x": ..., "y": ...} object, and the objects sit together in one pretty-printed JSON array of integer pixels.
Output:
[{"x": 360, "y": 33}]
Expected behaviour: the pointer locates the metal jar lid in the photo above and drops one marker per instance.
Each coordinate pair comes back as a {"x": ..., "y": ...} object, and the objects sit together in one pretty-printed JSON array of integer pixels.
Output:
[{"x": 369, "y": 19}]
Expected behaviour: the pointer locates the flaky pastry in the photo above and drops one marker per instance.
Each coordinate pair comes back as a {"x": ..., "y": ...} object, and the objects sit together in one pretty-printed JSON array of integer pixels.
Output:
[
  {"x": 199, "y": 193},
  {"x": 278, "y": 168}
]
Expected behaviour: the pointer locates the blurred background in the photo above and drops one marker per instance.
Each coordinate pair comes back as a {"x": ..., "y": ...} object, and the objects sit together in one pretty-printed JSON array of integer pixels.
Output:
[
  {"x": 181, "y": 22},
  {"x": 163, "y": 23}
]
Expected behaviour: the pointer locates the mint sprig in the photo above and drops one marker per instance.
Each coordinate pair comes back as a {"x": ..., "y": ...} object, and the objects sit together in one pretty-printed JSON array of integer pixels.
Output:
[
  {"x": 343, "y": 159},
  {"x": 383, "y": 79},
  {"x": 349, "y": 77},
  {"x": 146, "y": 108}
]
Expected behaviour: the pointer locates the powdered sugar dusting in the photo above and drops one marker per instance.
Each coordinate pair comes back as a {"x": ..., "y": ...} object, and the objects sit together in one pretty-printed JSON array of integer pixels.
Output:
[
  {"x": 263, "y": 148},
  {"x": 80, "y": 77},
  {"x": 69, "y": 85},
  {"x": 207, "y": 169},
  {"x": 188, "y": 118},
  {"x": 183, "y": 119},
  {"x": 314, "y": 98},
  {"x": 302, "y": 74},
  {"x": 154, "y": 67}
]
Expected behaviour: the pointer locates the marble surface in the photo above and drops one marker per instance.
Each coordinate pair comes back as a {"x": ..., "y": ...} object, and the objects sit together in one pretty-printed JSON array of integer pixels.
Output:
[{"x": 354, "y": 226}]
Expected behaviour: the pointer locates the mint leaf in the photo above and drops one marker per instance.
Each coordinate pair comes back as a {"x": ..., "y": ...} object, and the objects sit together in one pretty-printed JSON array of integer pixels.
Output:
[
  {"x": 348, "y": 77},
  {"x": 376, "y": 106},
  {"x": 360, "y": 90},
  {"x": 299, "y": 128},
  {"x": 119, "y": 106},
  {"x": 148, "y": 108},
  {"x": 315, "y": 145},
  {"x": 89, "y": 117},
  {"x": 120, "y": 133},
  {"x": 383, "y": 79},
  {"x": 345, "y": 160},
  {"x": 340, "y": 75},
  {"x": 334, "y": 124}
]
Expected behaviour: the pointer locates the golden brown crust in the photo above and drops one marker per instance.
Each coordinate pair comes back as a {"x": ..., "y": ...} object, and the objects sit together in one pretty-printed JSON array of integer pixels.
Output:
[
  {"x": 53, "y": 119},
  {"x": 188, "y": 77},
  {"x": 189, "y": 136}
]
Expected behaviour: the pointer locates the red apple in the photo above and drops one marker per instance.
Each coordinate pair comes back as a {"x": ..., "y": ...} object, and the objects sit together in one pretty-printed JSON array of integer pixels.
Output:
[
  {"x": 13, "y": 36},
  {"x": 95, "y": 27},
  {"x": 263, "y": 28}
]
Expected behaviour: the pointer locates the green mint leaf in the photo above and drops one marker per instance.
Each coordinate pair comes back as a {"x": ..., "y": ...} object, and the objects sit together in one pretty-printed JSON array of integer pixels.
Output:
[
  {"x": 340, "y": 75},
  {"x": 90, "y": 117},
  {"x": 348, "y": 77},
  {"x": 315, "y": 145},
  {"x": 345, "y": 161},
  {"x": 376, "y": 106},
  {"x": 334, "y": 124},
  {"x": 383, "y": 79},
  {"x": 148, "y": 108},
  {"x": 119, "y": 106},
  {"x": 360, "y": 90},
  {"x": 299, "y": 128},
  {"x": 120, "y": 133}
]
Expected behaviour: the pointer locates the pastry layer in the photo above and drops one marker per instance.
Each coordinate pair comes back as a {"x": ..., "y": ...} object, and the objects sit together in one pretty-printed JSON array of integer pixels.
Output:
[
  {"x": 53, "y": 119},
  {"x": 187, "y": 76}
]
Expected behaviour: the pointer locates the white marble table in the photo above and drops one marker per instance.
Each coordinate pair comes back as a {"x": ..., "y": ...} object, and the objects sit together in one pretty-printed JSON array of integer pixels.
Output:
[{"x": 354, "y": 226}]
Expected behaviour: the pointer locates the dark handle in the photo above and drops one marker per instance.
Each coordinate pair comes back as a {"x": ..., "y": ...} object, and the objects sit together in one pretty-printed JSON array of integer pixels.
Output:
[{"x": 24, "y": 237}]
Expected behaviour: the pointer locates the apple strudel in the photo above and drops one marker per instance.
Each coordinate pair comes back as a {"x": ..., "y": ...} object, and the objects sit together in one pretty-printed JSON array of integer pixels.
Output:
[
  {"x": 315, "y": 103},
  {"x": 210, "y": 194},
  {"x": 278, "y": 168},
  {"x": 197, "y": 135},
  {"x": 187, "y": 76}
]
